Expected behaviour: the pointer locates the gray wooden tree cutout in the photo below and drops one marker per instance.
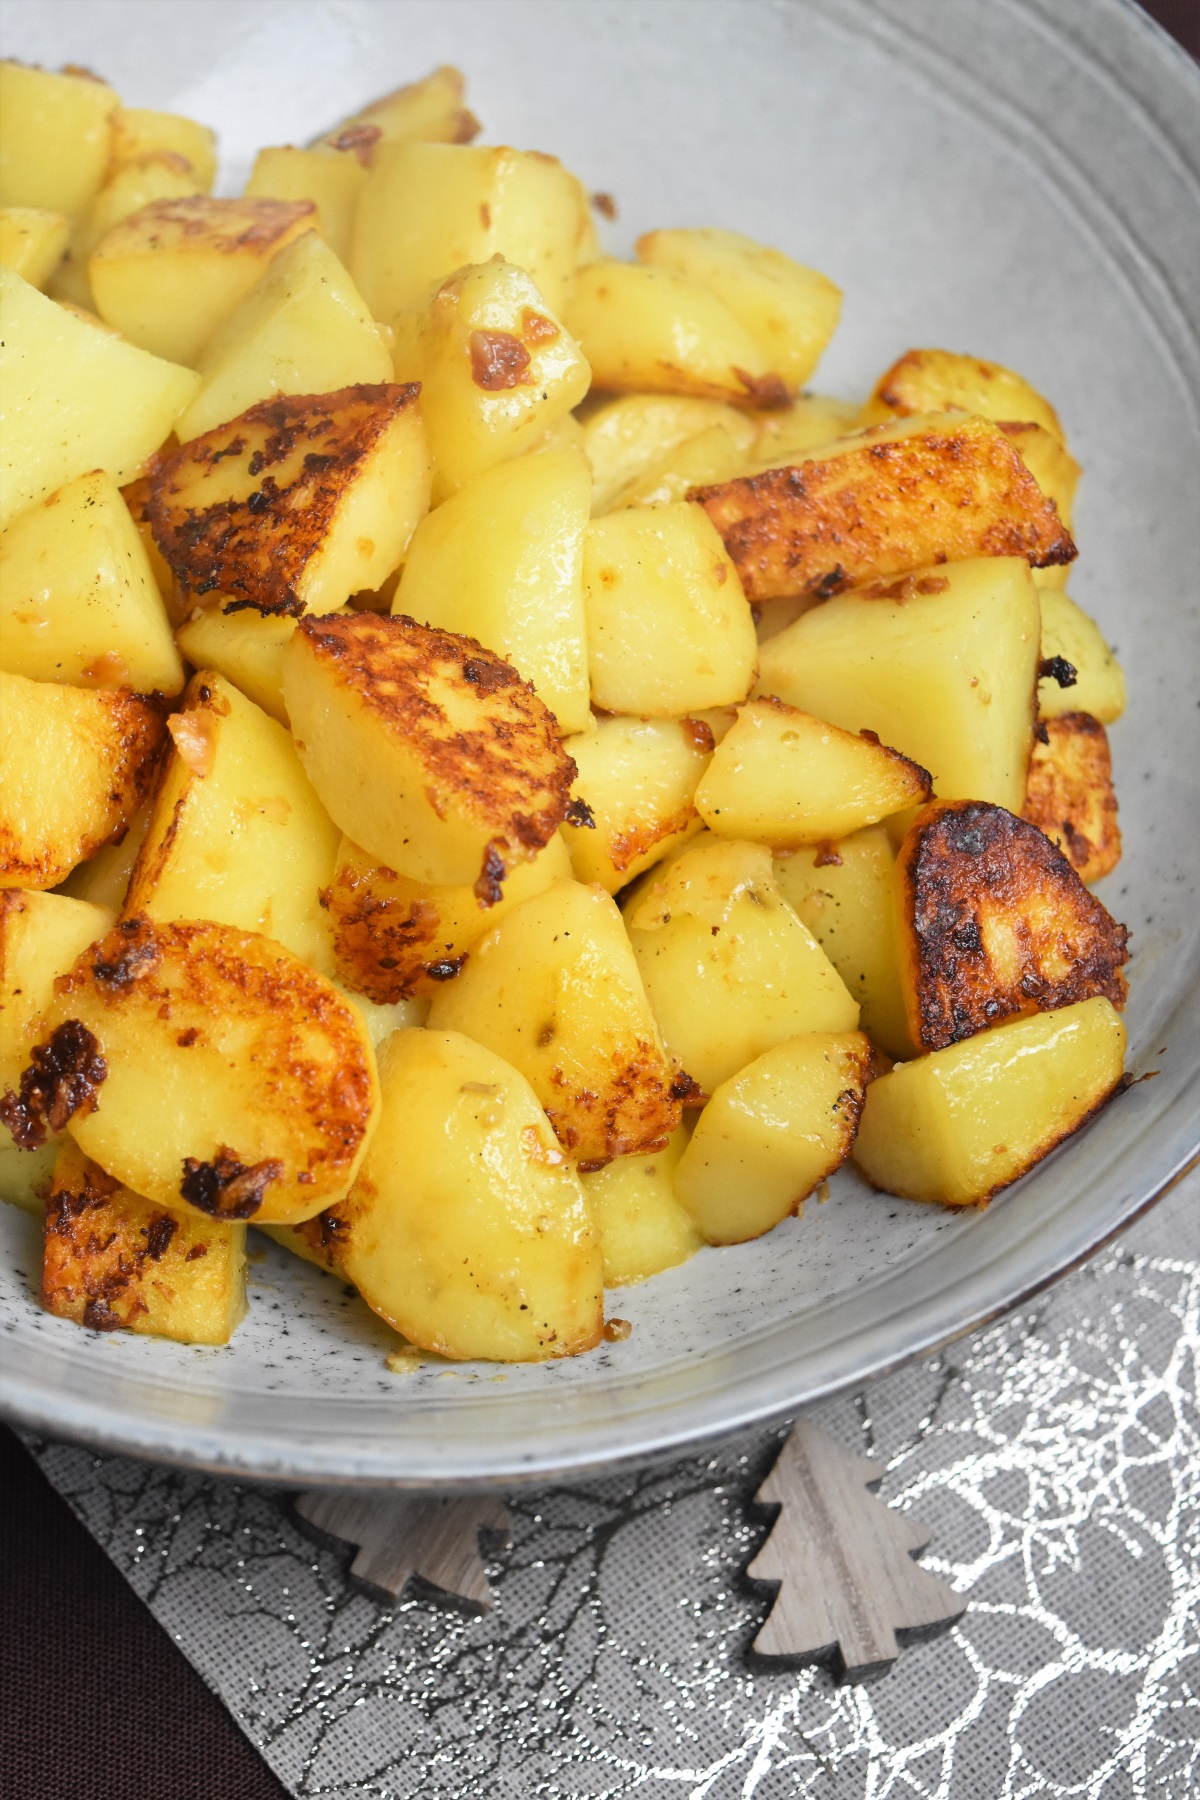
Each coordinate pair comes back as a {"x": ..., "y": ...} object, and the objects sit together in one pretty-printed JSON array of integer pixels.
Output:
[
  {"x": 400, "y": 1535},
  {"x": 843, "y": 1564}
]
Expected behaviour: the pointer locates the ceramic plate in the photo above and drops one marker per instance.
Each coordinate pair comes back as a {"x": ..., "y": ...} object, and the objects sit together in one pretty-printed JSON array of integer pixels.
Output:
[{"x": 1017, "y": 178}]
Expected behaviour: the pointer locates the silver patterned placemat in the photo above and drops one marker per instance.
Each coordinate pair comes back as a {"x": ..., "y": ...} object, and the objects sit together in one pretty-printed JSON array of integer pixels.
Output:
[{"x": 1056, "y": 1457}]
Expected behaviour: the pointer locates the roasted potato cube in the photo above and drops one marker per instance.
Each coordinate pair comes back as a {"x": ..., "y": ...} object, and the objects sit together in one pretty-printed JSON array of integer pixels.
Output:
[
  {"x": 427, "y": 749},
  {"x": 428, "y": 111},
  {"x": 643, "y": 1229},
  {"x": 41, "y": 935},
  {"x": 168, "y": 274},
  {"x": 772, "y": 1133},
  {"x": 961, "y": 1124},
  {"x": 26, "y": 1175},
  {"x": 32, "y": 242},
  {"x": 783, "y": 778},
  {"x": 138, "y": 132},
  {"x": 496, "y": 367},
  {"x": 790, "y": 311},
  {"x": 653, "y": 331},
  {"x": 1069, "y": 636},
  {"x": 112, "y": 1261},
  {"x": 246, "y": 647},
  {"x": 55, "y": 136},
  {"x": 811, "y": 422},
  {"x": 429, "y": 209},
  {"x": 501, "y": 561},
  {"x": 637, "y": 778},
  {"x": 112, "y": 405},
  {"x": 75, "y": 764},
  {"x": 104, "y": 878},
  {"x": 297, "y": 504},
  {"x": 843, "y": 893},
  {"x": 729, "y": 968},
  {"x": 206, "y": 1067},
  {"x": 78, "y": 599},
  {"x": 1070, "y": 794},
  {"x": 332, "y": 179},
  {"x": 934, "y": 381},
  {"x": 1055, "y": 471},
  {"x": 302, "y": 330},
  {"x": 625, "y": 438},
  {"x": 993, "y": 920},
  {"x": 467, "y": 1229},
  {"x": 554, "y": 989},
  {"x": 155, "y": 175},
  {"x": 654, "y": 577},
  {"x": 236, "y": 833},
  {"x": 942, "y": 665},
  {"x": 884, "y": 504},
  {"x": 711, "y": 455},
  {"x": 394, "y": 938}
]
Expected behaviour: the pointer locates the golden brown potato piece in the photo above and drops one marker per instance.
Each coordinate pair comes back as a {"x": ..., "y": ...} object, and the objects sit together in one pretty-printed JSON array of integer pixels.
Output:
[
  {"x": 891, "y": 501},
  {"x": 297, "y": 504},
  {"x": 427, "y": 749},
  {"x": 114, "y": 1262},
  {"x": 925, "y": 381},
  {"x": 992, "y": 921},
  {"x": 1070, "y": 793},
  {"x": 75, "y": 765},
  {"x": 428, "y": 111}
]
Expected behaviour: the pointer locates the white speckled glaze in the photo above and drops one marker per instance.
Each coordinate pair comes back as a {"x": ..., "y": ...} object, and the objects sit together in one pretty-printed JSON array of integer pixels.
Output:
[{"x": 1019, "y": 178}]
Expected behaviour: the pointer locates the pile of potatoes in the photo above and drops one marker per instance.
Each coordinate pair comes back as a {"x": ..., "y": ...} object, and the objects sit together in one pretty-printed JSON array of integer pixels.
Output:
[{"x": 499, "y": 785}]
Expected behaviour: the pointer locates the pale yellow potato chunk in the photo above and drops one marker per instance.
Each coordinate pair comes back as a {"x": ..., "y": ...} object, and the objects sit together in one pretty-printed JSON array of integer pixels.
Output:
[
  {"x": 843, "y": 893},
  {"x": 26, "y": 1175},
  {"x": 496, "y": 366},
  {"x": 299, "y": 503},
  {"x": 654, "y": 331},
  {"x": 115, "y": 1262},
  {"x": 168, "y": 275},
  {"x": 331, "y": 179},
  {"x": 75, "y": 765},
  {"x": 783, "y": 778},
  {"x": 789, "y": 310},
  {"x": 138, "y": 131},
  {"x": 55, "y": 136},
  {"x": 729, "y": 968},
  {"x": 964, "y": 1122},
  {"x": 643, "y": 1228},
  {"x": 626, "y": 438},
  {"x": 502, "y": 561},
  {"x": 669, "y": 629},
  {"x": 555, "y": 990},
  {"x": 78, "y": 599},
  {"x": 32, "y": 242},
  {"x": 302, "y": 330},
  {"x": 104, "y": 878},
  {"x": 711, "y": 455},
  {"x": 429, "y": 209},
  {"x": 246, "y": 647},
  {"x": 942, "y": 665},
  {"x": 927, "y": 381},
  {"x": 207, "y": 1067},
  {"x": 427, "y": 111},
  {"x": 394, "y": 938},
  {"x": 1099, "y": 685},
  {"x": 236, "y": 833},
  {"x": 427, "y": 749},
  {"x": 637, "y": 778},
  {"x": 467, "y": 1229},
  {"x": 112, "y": 404},
  {"x": 772, "y": 1133},
  {"x": 40, "y": 936},
  {"x": 809, "y": 423},
  {"x": 155, "y": 175}
]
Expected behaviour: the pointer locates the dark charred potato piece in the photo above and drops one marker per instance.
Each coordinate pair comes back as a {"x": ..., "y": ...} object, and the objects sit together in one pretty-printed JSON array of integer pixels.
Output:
[
  {"x": 296, "y": 505},
  {"x": 428, "y": 750},
  {"x": 896, "y": 500},
  {"x": 1070, "y": 793},
  {"x": 114, "y": 1262},
  {"x": 993, "y": 921}
]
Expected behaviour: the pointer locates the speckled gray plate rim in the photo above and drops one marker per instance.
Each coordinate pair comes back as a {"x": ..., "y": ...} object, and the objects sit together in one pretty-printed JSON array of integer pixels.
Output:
[{"x": 1018, "y": 178}]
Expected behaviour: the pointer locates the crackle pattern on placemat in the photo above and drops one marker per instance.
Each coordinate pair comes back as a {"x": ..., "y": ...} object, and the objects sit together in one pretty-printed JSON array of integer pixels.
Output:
[{"x": 1056, "y": 1457}]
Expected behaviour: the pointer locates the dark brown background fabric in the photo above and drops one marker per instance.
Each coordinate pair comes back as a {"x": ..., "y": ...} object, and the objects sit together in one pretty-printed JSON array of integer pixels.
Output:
[{"x": 96, "y": 1702}]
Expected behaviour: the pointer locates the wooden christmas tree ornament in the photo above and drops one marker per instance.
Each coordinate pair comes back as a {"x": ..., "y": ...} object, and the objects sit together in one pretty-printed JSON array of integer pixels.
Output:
[
  {"x": 842, "y": 1562},
  {"x": 400, "y": 1535}
]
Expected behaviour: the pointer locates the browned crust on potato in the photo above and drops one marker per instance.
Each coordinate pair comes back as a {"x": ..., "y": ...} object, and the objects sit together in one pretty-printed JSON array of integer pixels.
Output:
[
  {"x": 882, "y": 509},
  {"x": 508, "y": 769},
  {"x": 1069, "y": 794},
  {"x": 624, "y": 847},
  {"x": 994, "y": 922},
  {"x": 243, "y": 509},
  {"x": 921, "y": 381},
  {"x": 225, "y": 226},
  {"x": 635, "y": 1115},
  {"x": 384, "y": 944},
  {"x": 63, "y": 1079}
]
